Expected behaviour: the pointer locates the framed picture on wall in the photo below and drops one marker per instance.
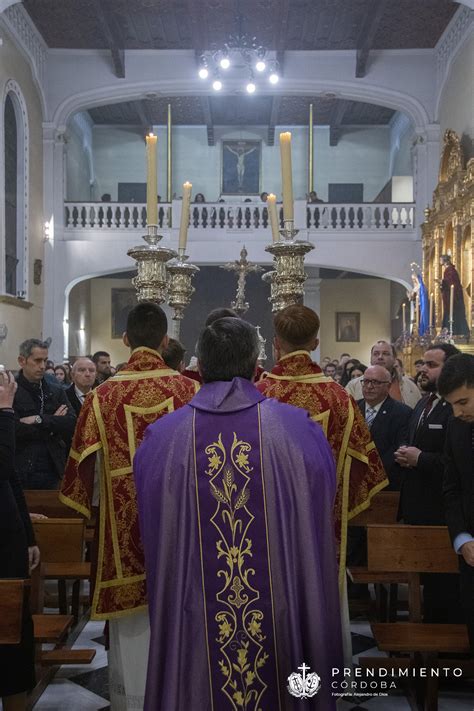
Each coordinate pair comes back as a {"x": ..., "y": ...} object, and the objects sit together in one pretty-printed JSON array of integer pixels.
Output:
[
  {"x": 348, "y": 326},
  {"x": 123, "y": 301},
  {"x": 241, "y": 167}
]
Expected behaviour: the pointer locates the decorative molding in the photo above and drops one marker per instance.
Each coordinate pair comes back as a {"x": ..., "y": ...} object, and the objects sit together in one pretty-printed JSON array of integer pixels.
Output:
[
  {"x": 29, "y": 39},
  {"x": 450, "y": 42}
]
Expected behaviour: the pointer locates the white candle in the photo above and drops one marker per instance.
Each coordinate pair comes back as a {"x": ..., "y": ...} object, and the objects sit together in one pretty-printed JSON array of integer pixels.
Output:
[
  {"x": 451, "y": 303},
  {"x": 151, "y": 181},
  {"x": 404, "y": 317},
  {"x": 286, "y": 175},
  {"x": 183, "y": 227},
  {"x": 431, "y": 309},
  {"x": 272, "y": 213}
]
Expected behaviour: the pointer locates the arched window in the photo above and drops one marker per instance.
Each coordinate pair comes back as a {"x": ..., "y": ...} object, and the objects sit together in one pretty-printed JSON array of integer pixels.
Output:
[{"x": 15, "y": 184}]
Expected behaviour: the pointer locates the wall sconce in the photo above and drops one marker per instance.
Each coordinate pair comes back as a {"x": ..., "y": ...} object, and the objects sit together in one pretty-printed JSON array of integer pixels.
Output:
[{"x": 47, "y": 231}]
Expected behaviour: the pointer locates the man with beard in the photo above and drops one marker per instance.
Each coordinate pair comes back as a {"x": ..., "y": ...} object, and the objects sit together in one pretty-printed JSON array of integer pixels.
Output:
[
  {"x": 456, "y": 383},
  {"x": 421, "y": 496},
  {"x": 102, "y": 364}
]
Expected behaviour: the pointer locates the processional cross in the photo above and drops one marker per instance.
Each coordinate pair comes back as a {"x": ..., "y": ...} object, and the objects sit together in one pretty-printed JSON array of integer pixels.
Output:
[{"x": 242, "y": 268}]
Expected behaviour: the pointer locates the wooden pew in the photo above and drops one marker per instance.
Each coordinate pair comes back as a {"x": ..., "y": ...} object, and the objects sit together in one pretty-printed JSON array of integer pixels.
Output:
[
  {"x": 412, "y": 551},
  {"x": 47, "y": 503},
  {"x": 12, "y": 596},
  {"x": 383, "y": 509},
  {"x": 61, "y": 542}
]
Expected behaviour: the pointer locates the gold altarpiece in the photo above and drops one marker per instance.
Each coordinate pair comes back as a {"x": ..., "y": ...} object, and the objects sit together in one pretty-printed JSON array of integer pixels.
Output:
[{"x": 448, "y": 229}]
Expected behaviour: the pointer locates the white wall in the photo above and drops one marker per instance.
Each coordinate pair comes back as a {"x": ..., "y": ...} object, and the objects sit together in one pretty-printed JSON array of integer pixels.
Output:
[
  {"x": 362, "y": 155},
  {"x": 369, "y": 297},
  {"x": 24, "y": 322},
  {"x": 456, "y": 108},
  {"x": 78, "y": 167}
]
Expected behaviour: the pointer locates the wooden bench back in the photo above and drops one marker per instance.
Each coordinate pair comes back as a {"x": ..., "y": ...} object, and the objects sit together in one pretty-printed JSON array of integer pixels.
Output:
[
  {"x": 383, "y": 509},
  {"x": 47, "y": 503},
  {"x": 60, "y": 540},
  {"x": 410, "y": 549},
  {"x": 12, "y": 593}
]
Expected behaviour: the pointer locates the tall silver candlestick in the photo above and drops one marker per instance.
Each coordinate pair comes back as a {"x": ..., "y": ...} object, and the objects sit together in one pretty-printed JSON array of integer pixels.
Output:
[
  {"x": 151, "y": 281},
  {"x": 180, "y": 288},
  {"x": 289, "y": 276}
]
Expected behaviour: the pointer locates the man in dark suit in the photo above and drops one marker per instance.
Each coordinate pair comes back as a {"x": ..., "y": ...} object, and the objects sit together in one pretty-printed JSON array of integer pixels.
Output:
[
  {"x": 456, "y": 384},
  {"x": 421, "y": 496},
  {"x": 83, "y": 375},
  {"x": 386, "y": 418}
]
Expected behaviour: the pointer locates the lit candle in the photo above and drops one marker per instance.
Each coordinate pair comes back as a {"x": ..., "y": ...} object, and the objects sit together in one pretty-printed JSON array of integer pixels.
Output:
[
  {"x": 412, "y": 314},
  {"x": 451, "y": 303},
  {"x": 272, "y": 212},
  {"x": 404, "y": 317},
  {"x": 183, "y": 227},
  {"x": 151, "y": 183},
  {"x": 286, "y": 175},
  {"x": 431, "y": 309}
]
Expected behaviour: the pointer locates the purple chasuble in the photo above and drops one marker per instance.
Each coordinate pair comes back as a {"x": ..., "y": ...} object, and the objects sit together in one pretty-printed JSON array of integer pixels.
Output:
[{"x": 235, "y": 497}]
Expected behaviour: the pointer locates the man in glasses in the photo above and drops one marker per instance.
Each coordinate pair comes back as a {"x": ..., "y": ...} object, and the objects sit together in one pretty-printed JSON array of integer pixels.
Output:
[
  {"x": 402, "y": 388},
  {"x": 386, "y": 418}
]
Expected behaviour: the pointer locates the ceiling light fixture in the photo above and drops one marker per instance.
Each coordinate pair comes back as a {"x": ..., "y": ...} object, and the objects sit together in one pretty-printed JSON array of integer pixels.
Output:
[{"x": 240, "y": 53}]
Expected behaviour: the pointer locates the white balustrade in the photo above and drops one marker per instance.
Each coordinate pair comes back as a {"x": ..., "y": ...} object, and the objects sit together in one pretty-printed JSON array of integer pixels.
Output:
[{"x": 240, "y": 216}]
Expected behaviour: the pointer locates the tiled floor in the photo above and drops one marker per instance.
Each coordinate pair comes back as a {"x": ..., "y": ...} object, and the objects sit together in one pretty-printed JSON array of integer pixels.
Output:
[{"x": 86, "y": 688}]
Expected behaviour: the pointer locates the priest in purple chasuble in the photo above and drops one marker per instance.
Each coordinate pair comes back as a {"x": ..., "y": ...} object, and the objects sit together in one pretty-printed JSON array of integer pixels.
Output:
[
  {"x": 109, "y": 429},
  {"x": 235, "y": 496}
]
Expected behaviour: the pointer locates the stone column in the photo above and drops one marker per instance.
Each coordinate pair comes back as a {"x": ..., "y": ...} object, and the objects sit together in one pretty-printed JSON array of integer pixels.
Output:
[
  {"x": 426, "y": 156},
  {"x": 54, "y": 304},
  {"x": 312, "y": 299}
]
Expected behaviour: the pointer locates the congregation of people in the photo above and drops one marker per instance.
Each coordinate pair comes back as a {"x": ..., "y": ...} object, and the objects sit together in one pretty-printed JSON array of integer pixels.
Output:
[{"x": 223, "y": 494}]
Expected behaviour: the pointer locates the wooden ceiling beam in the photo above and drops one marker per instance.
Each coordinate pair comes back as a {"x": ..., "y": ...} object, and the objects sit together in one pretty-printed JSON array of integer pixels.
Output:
[
  {"x": 206, "y": 109},
  {"x": 370, "y": 25},
  {"x": 335, "y": 125},
  {"x": 274, "y": 113},
  {"x": 113, "y": 38}
]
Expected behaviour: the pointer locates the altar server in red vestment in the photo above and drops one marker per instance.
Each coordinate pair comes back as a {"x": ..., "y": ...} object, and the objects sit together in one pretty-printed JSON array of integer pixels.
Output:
[
  {"x": 111, "y": 425},
  {"x": 295, "y": 379},
  {"x": 235, "y": 494}
]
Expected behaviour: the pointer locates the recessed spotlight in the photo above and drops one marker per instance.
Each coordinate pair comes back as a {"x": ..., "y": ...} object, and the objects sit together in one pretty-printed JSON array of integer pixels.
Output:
[
  {"x": 217, "y": 85},
  {"x": 250, "y": 87},
  {"x": 273, "y": 78},
  {"x": 225, "y": 62},
  {"x": 203, "y": 73},
  {"x": 260, "y": 66}
]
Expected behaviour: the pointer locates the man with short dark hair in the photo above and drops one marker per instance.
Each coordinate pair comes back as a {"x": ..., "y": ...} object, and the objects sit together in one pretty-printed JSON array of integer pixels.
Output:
[
  {"x": 220, "y": 312},
  {"x": 173, "y": 355},
  {"x": 44, "y": 420},
  {"x": 402, "y": 387},
  {"x": 102, "y": 364},
  {"x": 223, "y": 488},
  {"x": 330, "y": 370},
  {"x": 422, "y": 461},
  {"x": 112, "y": 423},
  {"x": 456, "y": 385}
]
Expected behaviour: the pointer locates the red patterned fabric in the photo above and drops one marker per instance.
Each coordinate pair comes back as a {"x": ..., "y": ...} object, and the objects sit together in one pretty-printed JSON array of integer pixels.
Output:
[{"x": 112, "y": 421}]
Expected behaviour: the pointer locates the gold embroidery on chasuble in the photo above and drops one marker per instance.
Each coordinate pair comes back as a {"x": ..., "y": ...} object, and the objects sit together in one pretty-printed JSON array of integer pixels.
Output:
[{"x": 238, "y": 622}]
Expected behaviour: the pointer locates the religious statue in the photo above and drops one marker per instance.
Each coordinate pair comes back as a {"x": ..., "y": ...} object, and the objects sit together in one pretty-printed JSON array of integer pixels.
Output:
[
  {"x": 418, "y": 297},
  {"x": 242, "y": 268},
  {"x": 452, "y": 282}
]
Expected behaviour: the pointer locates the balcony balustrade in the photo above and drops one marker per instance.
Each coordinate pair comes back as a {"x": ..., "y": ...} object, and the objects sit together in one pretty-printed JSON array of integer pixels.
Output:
[{"x": 241, "y": 217}]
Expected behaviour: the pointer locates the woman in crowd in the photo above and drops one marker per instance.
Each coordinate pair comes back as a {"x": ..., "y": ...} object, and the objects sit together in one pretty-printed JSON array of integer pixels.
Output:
[
  {"x": 357, "y": 371},
  {"x": 18, "y": 556},
  {"x": 62, "y": 375},
  {"x": 346, "y": 370}
]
